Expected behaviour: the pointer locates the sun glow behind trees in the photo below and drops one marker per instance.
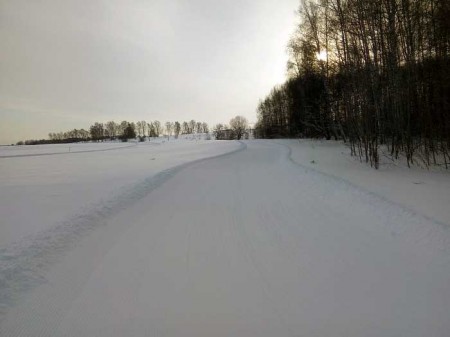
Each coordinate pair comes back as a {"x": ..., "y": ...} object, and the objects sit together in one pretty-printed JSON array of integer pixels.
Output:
[{"x": 322, "y": 56}]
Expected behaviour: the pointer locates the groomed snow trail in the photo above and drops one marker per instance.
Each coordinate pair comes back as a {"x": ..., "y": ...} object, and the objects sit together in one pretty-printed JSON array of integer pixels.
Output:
[{"x": 248, "y": 244}]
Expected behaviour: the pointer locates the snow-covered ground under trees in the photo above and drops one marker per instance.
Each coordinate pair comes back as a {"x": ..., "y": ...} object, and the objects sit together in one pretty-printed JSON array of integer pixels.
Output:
[{"x": 220, "y": 238}]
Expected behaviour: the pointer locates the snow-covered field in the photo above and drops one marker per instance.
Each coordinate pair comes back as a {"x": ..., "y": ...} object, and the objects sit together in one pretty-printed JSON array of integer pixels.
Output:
[
  {"x": 268, "y": 238},
  {"x": 39, "y": 190}
]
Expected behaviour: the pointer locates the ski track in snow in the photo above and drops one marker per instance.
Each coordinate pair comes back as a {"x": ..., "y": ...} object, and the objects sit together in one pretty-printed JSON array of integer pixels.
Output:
[{"x": 249, "y": 243}]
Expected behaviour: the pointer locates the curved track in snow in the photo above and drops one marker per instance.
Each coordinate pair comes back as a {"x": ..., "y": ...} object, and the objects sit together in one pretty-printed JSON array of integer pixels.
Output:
[{"x": 246, "y": 244}]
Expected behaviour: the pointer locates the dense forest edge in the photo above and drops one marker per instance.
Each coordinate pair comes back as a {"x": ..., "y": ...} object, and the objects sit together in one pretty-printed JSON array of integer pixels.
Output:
[{"x": 374, "y": 74}]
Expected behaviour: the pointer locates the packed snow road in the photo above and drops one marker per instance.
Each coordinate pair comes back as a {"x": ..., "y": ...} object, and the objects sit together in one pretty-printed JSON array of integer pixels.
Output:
[{"x": 246, "y": 244}]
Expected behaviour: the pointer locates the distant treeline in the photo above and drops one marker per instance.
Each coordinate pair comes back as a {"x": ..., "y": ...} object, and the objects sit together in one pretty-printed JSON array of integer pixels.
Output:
[
  {"x": 373, "y": 73},
  {"x": 123, "y": 131},
  {"x": 48, "y": 141}
]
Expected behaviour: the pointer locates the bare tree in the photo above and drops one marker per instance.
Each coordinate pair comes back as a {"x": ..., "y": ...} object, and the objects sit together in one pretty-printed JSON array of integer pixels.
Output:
[
  {"x": 239, "y": 125},
  {"x": 198, "y": 127},
  {"x": 176, "y": 129},
  {"x": 158, "y": 128},
  {"x": 111, "y": 129},
  {"x": 219, "y": 131},
  {"x": 205, "y": 127},
  {"x": 139, "y": 129},
  {"x": 169, "y": 128},
  {"x": 96, "y": 130},
  {"x": 143, "y": 128},
  {"x": 151, "y": 129},
  {"x": 121, "y": 128},
  {"x": 192, "y": 126},
  {"x": 185, "y": 128}
]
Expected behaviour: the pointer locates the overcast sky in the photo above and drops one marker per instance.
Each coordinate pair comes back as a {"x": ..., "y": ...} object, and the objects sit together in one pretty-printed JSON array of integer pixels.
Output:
[{"x": 67, "y": 64}]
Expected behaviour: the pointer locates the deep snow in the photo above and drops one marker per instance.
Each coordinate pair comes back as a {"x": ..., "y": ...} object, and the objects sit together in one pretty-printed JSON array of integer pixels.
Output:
[{"x": 263, "y": 241}]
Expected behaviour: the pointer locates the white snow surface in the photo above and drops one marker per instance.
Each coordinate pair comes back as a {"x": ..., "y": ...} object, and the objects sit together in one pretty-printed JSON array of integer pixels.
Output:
[{"x": 266, "y": 238}]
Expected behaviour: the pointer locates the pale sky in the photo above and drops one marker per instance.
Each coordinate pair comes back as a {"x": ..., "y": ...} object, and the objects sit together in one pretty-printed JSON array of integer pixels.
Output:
[{"x": 66, "y": 64}]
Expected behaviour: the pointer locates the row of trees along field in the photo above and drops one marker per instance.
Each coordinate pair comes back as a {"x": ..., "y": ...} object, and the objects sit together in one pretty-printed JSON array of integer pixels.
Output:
[
  {"x": 373, "y": 73},
  {"x": 124, "y": 131}
]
